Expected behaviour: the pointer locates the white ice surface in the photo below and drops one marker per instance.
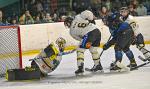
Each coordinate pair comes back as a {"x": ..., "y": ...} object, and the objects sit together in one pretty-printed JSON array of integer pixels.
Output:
[{"x": 64, "y": 78}]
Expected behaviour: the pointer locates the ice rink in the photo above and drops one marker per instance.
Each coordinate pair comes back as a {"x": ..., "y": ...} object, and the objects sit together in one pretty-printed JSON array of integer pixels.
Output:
[{"x": 64, "y": 78}]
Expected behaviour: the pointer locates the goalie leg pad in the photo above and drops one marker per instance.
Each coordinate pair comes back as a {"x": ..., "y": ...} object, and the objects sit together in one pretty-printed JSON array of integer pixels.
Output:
[{"x": 48, "y": 59}]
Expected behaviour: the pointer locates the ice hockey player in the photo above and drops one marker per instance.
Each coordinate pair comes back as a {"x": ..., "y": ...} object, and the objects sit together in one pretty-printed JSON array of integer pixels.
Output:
[
  {"x": 83, "y": 29},
  {"x": 50, "y": 57},
  {"x": 122, "y": 39},
  {"x": 138, "y": 39}
]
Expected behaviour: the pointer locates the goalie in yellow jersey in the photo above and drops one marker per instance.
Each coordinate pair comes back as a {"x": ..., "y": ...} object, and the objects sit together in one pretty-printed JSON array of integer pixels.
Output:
[{"x": 50, "y": 57}]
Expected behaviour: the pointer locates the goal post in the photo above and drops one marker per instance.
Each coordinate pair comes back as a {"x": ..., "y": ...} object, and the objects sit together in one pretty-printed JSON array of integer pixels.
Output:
[{"x": 10, "y": 48}]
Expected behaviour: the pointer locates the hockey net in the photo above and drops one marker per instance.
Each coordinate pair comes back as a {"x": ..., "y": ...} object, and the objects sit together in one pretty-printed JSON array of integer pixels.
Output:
[{"x": 10, "y": 48}]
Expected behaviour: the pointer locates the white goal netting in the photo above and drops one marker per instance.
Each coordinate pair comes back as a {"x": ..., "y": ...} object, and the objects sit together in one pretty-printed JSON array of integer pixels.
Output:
[{"x": 10, "y": 48}]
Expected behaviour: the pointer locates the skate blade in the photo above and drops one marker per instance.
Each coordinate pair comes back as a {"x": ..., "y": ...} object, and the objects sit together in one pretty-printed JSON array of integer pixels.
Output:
[
  {"x": 98, "y": 71},
  {"x": 119, "y": 71},
  {"x": 80, "y": 74}
]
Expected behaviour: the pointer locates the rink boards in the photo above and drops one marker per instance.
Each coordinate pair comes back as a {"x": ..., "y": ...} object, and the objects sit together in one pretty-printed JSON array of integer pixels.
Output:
[{"x": 37, "y": 36}]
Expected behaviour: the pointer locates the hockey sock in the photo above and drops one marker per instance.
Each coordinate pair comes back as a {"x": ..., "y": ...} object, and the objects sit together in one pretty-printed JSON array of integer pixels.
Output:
[
  {"x": 96, "y": 61},
  {"x": 80, "y": 61},
  {"x": 118, "y": 55},
  {"x": 80, "y": 57},
  {"x": 129, "y": 54},
  {"x": 95, "y": 55}
]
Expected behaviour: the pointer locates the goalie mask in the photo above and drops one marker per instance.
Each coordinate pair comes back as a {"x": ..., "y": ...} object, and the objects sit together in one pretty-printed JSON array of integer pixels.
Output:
[
  {"x": 68, "y": 22},
  {"x": 61, "y": 42}
]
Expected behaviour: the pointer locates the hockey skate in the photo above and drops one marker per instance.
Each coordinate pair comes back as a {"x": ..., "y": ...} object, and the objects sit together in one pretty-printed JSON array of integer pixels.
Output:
[
  {"x": 132, "y": 64},
  {"x": 95, "y": 68},
  {"x": 114, "y": 67},
  {"x": 80, "y": 70},
  {"x": 118, "y": 67}
]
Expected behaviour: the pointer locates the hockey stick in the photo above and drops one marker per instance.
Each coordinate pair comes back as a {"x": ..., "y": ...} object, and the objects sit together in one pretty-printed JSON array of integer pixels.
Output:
[
  {"x": 140, "y": 66},
  {"x": 143, "y": 59},
  {"x": 60, "y": 54},
  {"x": 106, "y": 42},
  {"x": 146, "y": 51},
  {"x": 143, "y": 48}
]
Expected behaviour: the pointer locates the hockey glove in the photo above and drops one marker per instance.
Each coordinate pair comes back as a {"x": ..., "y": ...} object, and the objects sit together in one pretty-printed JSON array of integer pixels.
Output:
[
  {"x": 140, "y": 40},
  {"x": 84, "y": 43},
  {"x": 106, "y": 46}
]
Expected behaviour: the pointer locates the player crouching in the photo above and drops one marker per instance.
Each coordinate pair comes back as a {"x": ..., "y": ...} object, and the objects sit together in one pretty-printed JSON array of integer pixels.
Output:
[{"x": 83, "y": 29}]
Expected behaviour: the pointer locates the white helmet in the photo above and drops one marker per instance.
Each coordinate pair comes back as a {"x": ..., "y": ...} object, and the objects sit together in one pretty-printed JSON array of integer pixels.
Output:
[{"x": 87, "y": 15}]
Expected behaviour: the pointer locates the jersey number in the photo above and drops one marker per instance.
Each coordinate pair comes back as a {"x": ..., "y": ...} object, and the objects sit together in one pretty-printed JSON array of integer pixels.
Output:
[
  {"x": 133, "y": 25},
  {"x": 80, "y": 25}
]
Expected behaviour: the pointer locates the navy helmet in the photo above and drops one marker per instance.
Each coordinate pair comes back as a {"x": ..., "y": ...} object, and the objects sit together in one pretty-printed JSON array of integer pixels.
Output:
[{"x": 114, "y": 17}]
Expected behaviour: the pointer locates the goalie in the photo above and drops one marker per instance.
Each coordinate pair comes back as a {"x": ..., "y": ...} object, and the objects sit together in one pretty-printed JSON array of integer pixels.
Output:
[{"x": 50, "y": 57}]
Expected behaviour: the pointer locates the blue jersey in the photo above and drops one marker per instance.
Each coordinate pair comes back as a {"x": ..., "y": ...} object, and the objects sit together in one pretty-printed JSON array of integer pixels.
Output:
[{"x": 115, "y": 29}]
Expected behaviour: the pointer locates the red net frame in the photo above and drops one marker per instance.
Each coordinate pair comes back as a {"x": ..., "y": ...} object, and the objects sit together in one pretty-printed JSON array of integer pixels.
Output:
[{"x": 19, "y": 41}]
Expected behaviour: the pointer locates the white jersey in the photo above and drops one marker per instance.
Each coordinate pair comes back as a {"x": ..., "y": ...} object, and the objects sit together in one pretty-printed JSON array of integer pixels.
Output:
[
  {"x": 80, "y": 27},
  {"x": 135, "y": 27}
]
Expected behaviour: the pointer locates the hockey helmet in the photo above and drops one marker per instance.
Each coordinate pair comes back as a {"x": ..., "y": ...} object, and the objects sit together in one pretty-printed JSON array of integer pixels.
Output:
[
  {"x": 113, "y": 17},
  {"x": 68, "y": 22},
  {"x": 87, "y": 15},
  {"x": 124, "y": 9}
]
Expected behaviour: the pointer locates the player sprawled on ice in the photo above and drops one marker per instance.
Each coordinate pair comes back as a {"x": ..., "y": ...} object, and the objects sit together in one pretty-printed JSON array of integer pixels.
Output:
[
  {"x": 122, "y": 37},
  {"x": 138, "y": 37},
  {"x": 50, "y": 57},
  {"x": 83, "y": 29}
]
